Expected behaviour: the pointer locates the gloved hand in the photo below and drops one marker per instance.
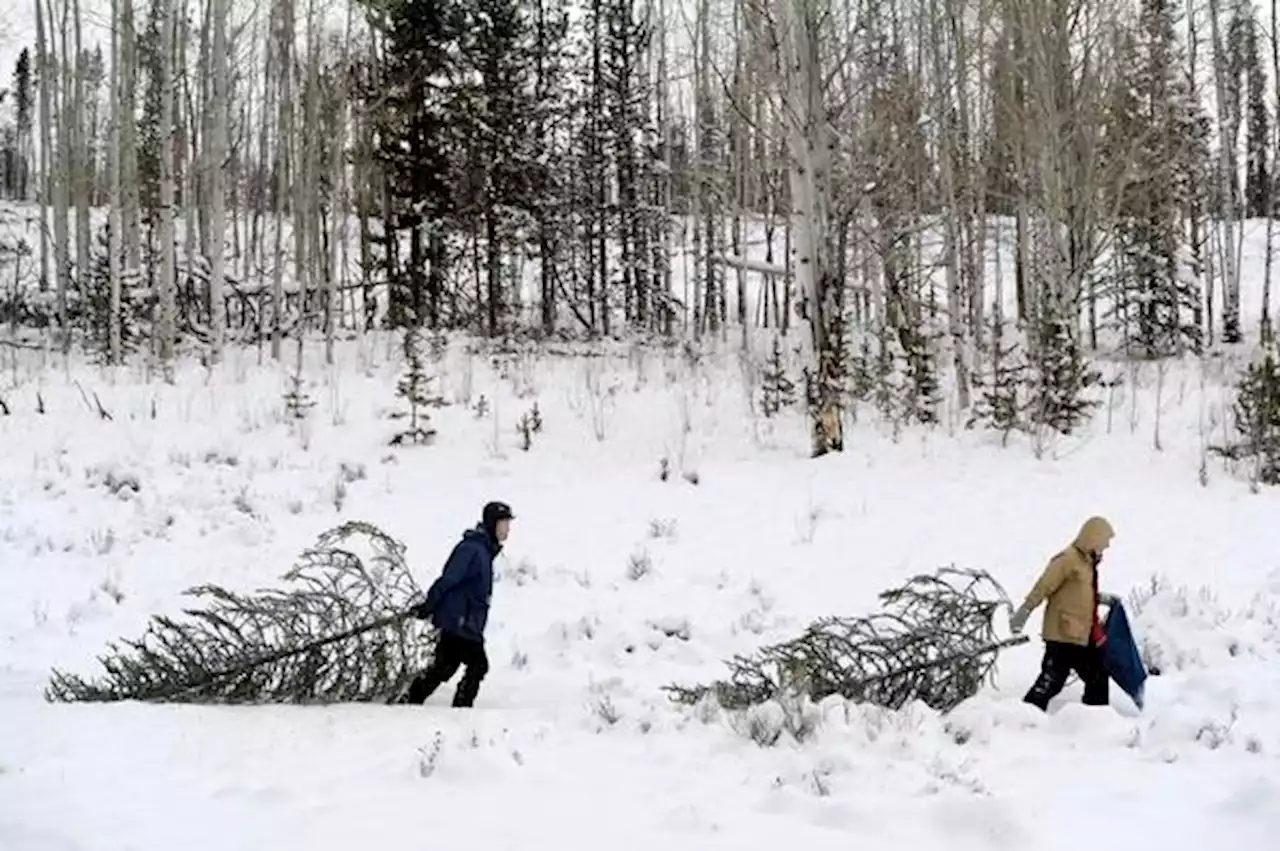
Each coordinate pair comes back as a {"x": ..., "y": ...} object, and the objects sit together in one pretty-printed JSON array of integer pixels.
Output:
[
  {"x": 1017, "y": 621},
  {"x": 421, "y": 611}
]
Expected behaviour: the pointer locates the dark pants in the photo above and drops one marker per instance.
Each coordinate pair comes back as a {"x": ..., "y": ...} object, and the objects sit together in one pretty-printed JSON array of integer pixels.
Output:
[
  {"x": 452, "y": 652},
  {"x": 1060, "y": 659}
]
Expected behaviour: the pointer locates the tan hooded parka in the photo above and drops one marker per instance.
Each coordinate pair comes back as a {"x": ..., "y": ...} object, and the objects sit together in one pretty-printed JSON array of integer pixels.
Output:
[{"x": 1067, "y": 585}]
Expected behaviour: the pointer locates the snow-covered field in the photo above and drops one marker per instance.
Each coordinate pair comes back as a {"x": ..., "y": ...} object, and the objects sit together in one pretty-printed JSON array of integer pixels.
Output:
[{"x": 572, "y": 744}]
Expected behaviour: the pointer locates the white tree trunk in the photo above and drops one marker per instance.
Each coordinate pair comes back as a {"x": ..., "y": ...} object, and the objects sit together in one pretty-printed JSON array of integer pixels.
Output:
[
  {"x": 803, "y": 112},
  {"x": 44, "y": 69},
  {"x": 114, "y": 352},
  {"x": 1227, "y": 184},
  {"x": 217, "y": 190},
  {"x": 166, "y": 328},
  {"x": 62, "y": 172},
  {"x": 81, "y": 171},
  {"x": 130, "y": 199}
]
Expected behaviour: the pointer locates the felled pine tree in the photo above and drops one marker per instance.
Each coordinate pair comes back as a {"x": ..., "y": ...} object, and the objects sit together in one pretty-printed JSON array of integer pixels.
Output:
[
  {"x": 1001, "y": 392},
  {"x": 1061, "y": 377},
  {"x": 1256, "y": 418},
  {"x": 415, "y": 388},
  {"x": 777, "y": 390},
  {"x": 935, "y": 642},
  {"x": 339, "y": 633}
]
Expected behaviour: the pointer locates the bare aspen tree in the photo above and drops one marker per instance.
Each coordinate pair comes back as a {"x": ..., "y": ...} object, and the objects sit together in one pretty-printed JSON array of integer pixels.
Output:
[
  {"x": 1063, "y": 54},
  {"x": 216, "y": 141},
  {"x": 129, "y": 185},
  {"x": 338, "y": 191},
  {"x": 284, "y": 40},
  {"x": 81, "y": 180},
  {"x": 948, "y": 84},
  {"x": 1267, "y": 328},
  {"x": 166, "y": 327},
  {"x": 800, "y": 104},
  {"x": 311, "y": 148},
  {"x": 1229, "y": 245},
  {"x": 189, "y": 155},
  {"x": 115, "y": 236},
  {"x": 62, "y": 173},
  {"x": 302, "y": 144},
  {"x": 741, "y": 162},
  {"x": 44, "y": 70}
]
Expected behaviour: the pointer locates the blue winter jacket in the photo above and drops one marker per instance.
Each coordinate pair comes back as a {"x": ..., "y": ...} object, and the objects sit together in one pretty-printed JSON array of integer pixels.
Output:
[
  {"x": 459, "y": 599},
  {"x": 1123, "y": 661}
]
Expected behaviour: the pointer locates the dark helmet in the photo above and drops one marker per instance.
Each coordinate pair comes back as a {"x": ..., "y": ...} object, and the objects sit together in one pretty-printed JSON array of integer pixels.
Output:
[{"x": 495, "y": 511}]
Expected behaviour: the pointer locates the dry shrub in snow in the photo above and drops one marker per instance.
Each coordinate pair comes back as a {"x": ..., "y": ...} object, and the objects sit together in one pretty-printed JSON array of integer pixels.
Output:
[{"x": 1179, "y": 628}]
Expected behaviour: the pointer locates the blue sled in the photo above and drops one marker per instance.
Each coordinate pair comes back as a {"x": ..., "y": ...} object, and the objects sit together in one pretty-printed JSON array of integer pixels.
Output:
[{"x": 1124, "y": 663}]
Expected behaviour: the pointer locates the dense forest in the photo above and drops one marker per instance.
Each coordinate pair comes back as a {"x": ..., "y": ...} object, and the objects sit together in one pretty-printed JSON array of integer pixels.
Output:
[{"x": 857, "y": 179}]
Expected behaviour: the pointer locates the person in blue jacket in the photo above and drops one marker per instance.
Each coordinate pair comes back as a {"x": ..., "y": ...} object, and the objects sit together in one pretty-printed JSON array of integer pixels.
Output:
[{"x": 458, "y": 605}]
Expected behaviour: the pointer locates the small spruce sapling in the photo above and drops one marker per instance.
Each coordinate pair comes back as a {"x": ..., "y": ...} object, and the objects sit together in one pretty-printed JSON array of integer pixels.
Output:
[
  {"x": 415, "y": 388},
  {"x": 297, "y": 403},
  {"x": 1256, "y": 418},
  {"x": 777, "y": 391},
  {"x": 1001, "y": 402},
  {"x": 1063, "y": 375}
]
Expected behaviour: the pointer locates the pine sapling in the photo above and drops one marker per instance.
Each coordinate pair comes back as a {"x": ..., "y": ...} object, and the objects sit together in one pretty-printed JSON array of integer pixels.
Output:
[
  {"x": 297, "y": 402},
  {"x": 1256, "y": 419},
  {"x": 1063, "y": 376},
  {"x": 1001, "y": 394},
  {"x": 778, "y": 391},
  {"x": 415, "y": 388}
]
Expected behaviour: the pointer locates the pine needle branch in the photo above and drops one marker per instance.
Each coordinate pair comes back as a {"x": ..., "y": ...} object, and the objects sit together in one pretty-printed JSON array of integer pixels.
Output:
[
  {"x": 340, "y": 632},
  {"x": 935, "y": 643}
]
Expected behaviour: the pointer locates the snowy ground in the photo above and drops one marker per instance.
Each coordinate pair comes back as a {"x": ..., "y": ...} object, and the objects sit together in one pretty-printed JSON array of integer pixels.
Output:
[{"x": 573, "y": 745}]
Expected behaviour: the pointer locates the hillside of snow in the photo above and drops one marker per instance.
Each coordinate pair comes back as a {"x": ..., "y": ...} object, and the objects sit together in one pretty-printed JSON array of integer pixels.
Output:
[{"x": 614, "y": 584}]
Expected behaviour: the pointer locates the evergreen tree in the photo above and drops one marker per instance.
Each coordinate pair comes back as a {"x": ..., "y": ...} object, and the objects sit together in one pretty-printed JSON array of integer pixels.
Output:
[
  {"x": 1256, "y": 418},
  {"x": 23, "y": 109},
  {"x": 778, "y": 391},
  {"x": 1158, "y": 294},
  {"x": 149, "y": 57},
  {"x": 495, "y": 114},
  {"x": 609, "y": 121},
  {"x": 415, "y": 388},
  {"x": 417, "y": 144},
  {"x": 1257, "y": 181},
  {"x": 922, "y": 396},
  {"x": 93, "y": 305},
  {"x": 1001, "y": 394},
  {"x": 548, "y": 183},
  {"x": 1061, "y": 376}
]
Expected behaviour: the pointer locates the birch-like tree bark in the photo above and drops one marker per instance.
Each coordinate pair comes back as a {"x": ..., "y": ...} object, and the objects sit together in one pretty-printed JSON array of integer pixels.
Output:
[
  {"x": 1228, "y": 128},
  {"x": 62, "y": 173},
  {"x": 803, "y": 115},
  {"x": 43, "y": 72},
  {"x": 115, "y": 236},
  {"x": 130, "y": 201},
  {"x": 217, "y": 162},
  {"x": 81, "y": 173},
  {"x": 166, "y": 327}
]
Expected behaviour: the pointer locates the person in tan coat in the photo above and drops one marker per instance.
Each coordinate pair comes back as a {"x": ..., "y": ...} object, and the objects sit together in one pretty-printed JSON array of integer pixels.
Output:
[{"x": 1072, "y": 633}]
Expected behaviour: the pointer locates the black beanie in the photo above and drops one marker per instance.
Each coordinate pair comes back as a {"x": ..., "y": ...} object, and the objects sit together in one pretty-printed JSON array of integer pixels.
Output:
[{"x": 493, "y": 512}]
